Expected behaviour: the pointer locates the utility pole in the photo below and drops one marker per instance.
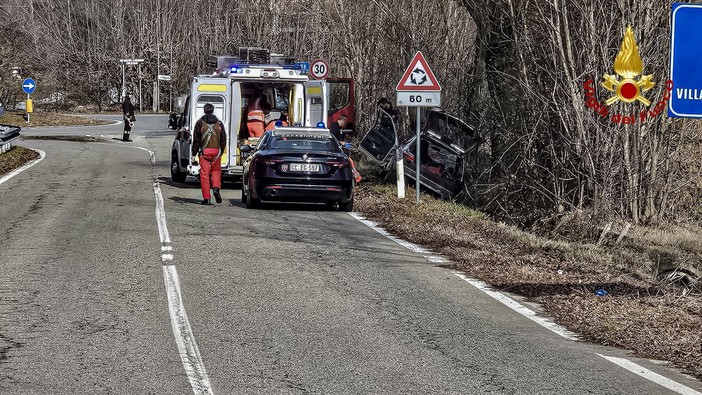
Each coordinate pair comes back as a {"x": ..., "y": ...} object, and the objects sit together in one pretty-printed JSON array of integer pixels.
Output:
[
  {"x": 158, "y": 58},
  {"x": 141, "y": 101},
  {"x": 170, "y": 83},
  {"x": 124, "y": 89}
]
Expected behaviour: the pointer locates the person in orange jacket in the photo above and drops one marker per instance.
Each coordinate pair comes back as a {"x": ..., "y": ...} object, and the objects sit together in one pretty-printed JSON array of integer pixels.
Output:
[{"x": 255, "y": 117}]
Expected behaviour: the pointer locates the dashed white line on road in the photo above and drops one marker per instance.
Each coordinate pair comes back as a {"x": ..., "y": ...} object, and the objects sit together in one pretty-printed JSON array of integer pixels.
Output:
[
  {"x": 15, "y": 172},
  {"x": 184, "y": 337},
  {"x": 652, "y": 376}
]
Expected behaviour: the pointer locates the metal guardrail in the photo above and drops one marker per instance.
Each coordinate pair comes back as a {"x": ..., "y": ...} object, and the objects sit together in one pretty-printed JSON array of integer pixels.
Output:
[{"x": 8, "y": 134}]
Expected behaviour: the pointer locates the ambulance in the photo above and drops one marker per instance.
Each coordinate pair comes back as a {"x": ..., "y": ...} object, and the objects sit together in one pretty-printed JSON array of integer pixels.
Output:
[{"x": 255, "y": 73}]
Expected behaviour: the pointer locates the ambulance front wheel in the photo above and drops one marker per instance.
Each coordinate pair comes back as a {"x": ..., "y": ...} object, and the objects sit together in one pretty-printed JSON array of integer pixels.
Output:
[{"x": 176, "y": 174}]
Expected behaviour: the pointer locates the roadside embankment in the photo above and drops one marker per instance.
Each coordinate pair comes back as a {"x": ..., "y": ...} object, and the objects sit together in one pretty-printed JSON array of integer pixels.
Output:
[
  {"x": 49, "y": 119},
  {"x": 651, "y": 318},
  {"x": 16, "y": 158}
]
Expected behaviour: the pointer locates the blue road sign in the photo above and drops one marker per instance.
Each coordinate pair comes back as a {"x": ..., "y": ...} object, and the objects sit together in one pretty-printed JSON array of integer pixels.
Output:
[
  {"x": 686, "y": 61},
  {"x": 28, "y": 85}
]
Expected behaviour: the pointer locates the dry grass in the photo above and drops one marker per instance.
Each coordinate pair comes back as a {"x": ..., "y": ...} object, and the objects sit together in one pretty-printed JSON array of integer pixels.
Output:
[
  {"x": 48, "y": 119},
  {"x": 15, "y": 158},
  {"x": 640, "y": 314}
]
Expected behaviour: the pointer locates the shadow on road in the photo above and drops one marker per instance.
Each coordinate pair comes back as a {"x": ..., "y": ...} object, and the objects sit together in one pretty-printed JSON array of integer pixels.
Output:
[
  {"x": 184, "y": 200},
  {"x": 75, "y": 138},
  {"x": 286, "y": 206}
]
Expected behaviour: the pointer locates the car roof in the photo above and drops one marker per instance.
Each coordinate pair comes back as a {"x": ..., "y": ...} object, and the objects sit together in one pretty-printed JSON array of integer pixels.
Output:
[{"x": 288, "y": 131}]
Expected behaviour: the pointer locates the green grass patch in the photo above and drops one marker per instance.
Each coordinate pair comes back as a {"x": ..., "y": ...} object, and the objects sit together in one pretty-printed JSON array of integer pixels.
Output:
[{"x": 15, "y": 158}]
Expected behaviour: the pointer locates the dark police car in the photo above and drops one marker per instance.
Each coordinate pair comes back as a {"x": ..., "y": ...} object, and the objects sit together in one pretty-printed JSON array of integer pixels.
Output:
[{"x": 294, "y": 164}]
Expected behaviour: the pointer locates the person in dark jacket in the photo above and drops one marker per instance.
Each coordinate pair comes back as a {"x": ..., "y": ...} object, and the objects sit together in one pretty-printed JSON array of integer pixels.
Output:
[
  {"x": 129, "y": 118},
  {"x": 209, "y": 141},
  {"x": 336, "y": 127}
]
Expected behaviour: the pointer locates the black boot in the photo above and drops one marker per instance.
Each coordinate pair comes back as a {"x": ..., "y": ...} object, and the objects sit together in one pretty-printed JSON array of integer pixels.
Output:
[
  {"x": 205, "y": 202},
  {"x": 218, "y": 197}
]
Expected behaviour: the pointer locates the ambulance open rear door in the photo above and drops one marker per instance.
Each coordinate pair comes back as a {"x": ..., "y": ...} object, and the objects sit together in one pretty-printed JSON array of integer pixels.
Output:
[{"x": 216, "y": 92}]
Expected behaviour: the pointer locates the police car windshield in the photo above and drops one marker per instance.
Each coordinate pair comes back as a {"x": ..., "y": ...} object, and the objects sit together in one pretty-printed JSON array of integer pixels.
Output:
[{"x": 301, "y": 142}]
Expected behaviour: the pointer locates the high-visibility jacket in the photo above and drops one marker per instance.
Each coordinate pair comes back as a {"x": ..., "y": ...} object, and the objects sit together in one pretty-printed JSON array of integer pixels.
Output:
[{"x": 255, "y": 123}]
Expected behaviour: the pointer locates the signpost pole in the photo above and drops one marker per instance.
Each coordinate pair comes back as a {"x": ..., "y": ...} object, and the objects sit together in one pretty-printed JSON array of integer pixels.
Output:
[
  {"x": 141, "y": 102},
  {"x": 417, "y": 159},
  {"x": 400, "y": 170},
  {"x": 28, "y": 86},
  {"x": 124, "y": 91},
  {"x": 418, "y": 88}
]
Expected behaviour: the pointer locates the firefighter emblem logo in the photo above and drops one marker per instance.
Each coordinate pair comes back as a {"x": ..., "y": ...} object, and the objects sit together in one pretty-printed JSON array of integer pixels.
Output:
[{"x": 628, "y": 66}]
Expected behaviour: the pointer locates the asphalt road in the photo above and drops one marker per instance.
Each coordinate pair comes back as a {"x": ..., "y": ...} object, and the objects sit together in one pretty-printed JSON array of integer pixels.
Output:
[{"x": 99, "y": 296}]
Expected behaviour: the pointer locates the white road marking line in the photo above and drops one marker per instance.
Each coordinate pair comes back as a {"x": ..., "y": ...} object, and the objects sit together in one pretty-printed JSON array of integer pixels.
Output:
[
  {"x": 519, "y": 308},
  {"x": 530, "y": 314},
  {"x": 15, "y": 172},
  {"x": 160, "y": 212},
  {"x": 161, "y": 215},
  {"x": 411, "y": 246},
  {"x": 500, "y": 297},
  {"x": 652, "y": 376},
  {"x": 189, "y": 352},
  {"x": 185, "y": 340}
]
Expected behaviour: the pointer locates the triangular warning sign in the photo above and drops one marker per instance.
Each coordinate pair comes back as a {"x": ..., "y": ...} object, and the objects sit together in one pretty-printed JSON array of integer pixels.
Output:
[{"x": 418, "y": 77}]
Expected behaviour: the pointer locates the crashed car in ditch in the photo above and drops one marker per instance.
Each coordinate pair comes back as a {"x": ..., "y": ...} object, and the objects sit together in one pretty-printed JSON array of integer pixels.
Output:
[{"x": 445, "y": 142}]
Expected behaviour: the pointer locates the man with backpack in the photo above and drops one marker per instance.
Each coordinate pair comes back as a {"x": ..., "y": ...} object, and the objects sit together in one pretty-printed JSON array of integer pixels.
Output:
[{"x": 209, "y": 141}]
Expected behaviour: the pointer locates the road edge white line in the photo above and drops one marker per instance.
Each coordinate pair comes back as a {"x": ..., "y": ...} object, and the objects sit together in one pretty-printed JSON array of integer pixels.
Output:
[
  {"x": 432, "y": 257},
  {"x": 528, "y": 313},
  {"x": 17, "y": 171},
  {"x": 499, "y": 296},
  {"x": 187, "y": 347},
  {"x": 651, "y": 376},
  {"x": 519, "y": 308}
]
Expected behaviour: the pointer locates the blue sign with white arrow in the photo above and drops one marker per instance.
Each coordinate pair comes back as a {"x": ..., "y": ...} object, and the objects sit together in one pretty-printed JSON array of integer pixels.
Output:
[
  {"x": 28, "y": 85},
  {"x": 686, "y": 61}
]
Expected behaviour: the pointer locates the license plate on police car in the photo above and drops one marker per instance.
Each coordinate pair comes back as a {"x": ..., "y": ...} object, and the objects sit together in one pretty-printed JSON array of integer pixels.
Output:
[{"x": 304, "y": 167}]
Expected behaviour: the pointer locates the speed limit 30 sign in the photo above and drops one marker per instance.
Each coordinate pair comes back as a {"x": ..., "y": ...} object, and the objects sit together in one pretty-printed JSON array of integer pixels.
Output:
[{"x": 319, "y": 69}]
